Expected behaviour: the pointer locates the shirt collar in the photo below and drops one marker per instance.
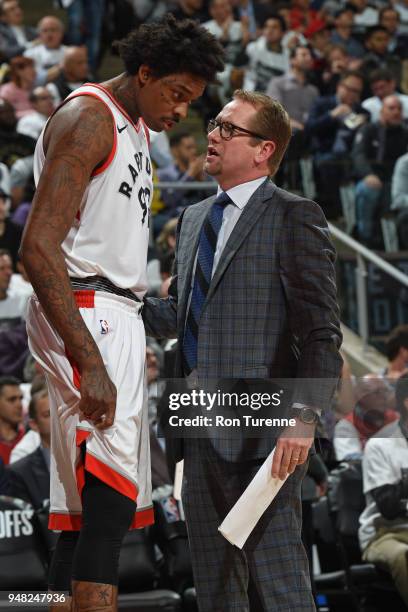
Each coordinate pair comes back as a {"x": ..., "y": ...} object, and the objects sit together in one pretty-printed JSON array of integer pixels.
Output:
[{"x": 240, "y": 194}]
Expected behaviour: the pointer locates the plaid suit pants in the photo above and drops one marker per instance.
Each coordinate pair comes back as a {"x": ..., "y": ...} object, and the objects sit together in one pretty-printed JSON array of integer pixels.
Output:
[{"x": 270, "y": 574}]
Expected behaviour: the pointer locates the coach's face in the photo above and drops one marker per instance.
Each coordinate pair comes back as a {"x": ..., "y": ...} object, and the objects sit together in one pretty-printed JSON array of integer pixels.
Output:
[
  {"x": 234, "y": 158},
  {"x": 164, "y": 101}
]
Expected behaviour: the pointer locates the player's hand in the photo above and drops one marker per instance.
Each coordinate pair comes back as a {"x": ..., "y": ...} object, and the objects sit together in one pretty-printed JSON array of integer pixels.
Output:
[
  {"x": 292, "y": 449},
  {"x": 98, "y": 396}
]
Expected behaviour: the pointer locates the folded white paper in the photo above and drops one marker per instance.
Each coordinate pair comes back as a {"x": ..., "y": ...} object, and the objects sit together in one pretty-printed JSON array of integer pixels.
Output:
[
  {"x": 178, "y": 480},
  {"x": 244, "y": 515}
]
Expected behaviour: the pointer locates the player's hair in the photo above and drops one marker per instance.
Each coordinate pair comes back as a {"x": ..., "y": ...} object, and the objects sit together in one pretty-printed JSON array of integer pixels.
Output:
[
  {"x": 169, "y": 46},
  {"x": 401, "y": 392},
  {"x": 6, "y": 381},
  {"x": 5, "y": 252},
  {"x": 397, "y": 339},
  {"x": 271, "y": 121}
]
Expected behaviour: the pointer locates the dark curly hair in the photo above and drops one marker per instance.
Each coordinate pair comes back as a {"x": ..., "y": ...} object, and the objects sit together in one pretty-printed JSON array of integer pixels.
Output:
[{"x": 169, "y": 46}]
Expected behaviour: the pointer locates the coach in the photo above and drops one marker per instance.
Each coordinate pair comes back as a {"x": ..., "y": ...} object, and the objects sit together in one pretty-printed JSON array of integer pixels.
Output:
[{"x": 253, "y": 297}]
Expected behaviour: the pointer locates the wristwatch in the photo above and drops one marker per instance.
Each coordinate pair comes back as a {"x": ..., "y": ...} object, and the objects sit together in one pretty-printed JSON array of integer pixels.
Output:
[{"x": 306, "y": 415}]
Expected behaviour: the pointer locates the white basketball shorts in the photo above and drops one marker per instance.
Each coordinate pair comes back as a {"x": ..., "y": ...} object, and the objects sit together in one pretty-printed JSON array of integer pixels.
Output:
[{"x": 120, "y": 455}]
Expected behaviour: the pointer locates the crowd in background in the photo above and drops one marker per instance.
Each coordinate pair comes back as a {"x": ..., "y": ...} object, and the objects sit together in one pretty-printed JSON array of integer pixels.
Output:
[{"x": 340, "y": 68}]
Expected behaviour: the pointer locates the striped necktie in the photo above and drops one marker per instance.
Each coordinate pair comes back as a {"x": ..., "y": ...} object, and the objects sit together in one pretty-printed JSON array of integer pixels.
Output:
[{"x": 202, "y": 278}]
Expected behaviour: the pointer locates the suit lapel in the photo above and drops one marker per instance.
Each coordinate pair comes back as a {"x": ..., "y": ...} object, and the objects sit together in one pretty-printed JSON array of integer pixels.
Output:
[
  {"x": 190, "y": 241},
  {"x": 253, "y": 210}
]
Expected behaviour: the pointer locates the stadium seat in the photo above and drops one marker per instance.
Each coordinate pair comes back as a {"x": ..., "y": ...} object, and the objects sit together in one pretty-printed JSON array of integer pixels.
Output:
[
  {"x": 23, "y": 564},
  {"x": 346, "y": 501}
]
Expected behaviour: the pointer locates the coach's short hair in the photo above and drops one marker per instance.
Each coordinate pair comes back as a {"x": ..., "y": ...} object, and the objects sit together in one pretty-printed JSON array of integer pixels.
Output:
[
  {"x": 271, "y": 121},
  {"x": 170, "y": 46}
]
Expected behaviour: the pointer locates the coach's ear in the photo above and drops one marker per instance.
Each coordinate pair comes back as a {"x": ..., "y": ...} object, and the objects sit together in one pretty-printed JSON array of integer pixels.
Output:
[{"x": 264, "y": 152}]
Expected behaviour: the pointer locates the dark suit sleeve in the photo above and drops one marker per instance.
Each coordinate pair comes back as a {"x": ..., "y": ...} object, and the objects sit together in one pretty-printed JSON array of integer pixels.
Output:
[
  {"x": 320, "y": 119},
  {"x": 306, "y": 258},
  {"x": 361, "y": 163},
  {"x": 160, "y": 314}
]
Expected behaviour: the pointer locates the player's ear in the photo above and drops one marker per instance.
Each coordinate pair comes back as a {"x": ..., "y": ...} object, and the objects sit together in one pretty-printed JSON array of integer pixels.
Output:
[{"x": 144, "y": 73}]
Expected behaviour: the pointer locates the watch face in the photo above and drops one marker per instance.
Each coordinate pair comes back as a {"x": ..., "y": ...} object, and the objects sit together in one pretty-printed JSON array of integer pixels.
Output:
[{"x": 308, "y": 415}]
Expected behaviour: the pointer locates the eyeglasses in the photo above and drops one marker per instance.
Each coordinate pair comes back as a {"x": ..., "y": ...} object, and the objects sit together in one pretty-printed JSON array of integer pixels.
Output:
[{"x": 229, "y": 130}]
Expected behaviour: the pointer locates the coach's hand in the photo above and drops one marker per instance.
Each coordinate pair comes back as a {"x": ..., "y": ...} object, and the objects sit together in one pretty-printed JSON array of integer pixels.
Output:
[
  {"x": 292, "y": 449},
  {"x": 98, "y": 396}
]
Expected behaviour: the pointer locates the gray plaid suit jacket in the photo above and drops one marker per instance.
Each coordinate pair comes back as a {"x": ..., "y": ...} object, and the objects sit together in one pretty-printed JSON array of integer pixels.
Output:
[{"x": 271, "y": 310}]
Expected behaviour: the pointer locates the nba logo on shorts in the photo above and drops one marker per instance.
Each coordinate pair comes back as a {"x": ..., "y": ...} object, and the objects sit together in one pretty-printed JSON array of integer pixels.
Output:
[{"x": 104, "y": 326}]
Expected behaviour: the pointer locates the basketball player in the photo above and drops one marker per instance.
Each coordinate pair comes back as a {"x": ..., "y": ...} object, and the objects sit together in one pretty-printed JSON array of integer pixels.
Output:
[{"x": 85, "y": 251}]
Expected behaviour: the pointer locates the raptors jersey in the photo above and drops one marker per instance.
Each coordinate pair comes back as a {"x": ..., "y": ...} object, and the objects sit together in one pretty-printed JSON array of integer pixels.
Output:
[{"x": 110, "y": 234}]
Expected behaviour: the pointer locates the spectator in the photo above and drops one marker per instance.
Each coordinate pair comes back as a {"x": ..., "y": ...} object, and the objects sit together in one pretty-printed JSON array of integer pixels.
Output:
[
  {"x": 293, "y": 90},
  {"x": 13, "y": 335},
  {"x": 390, "y": 19},
  {"x": 11, "y": 416},
  {"x": 302, "y": 17},
  {"x": 396, "y": 350},
  {"x": 13, "y": 146},
  {"x": 191, "y": 9},
  {"x": 373, "y": 410},
  {"x": 402, "y": 7},
  {"x": 18, "y": 90},
  {"x": 384, "y": 523},
  {"x": 48, "y": 55},
  {"x": 43, "y": 107},
  {"x": 187, "y": 167},
  {"x": 10, "y": 233},
  {"x": 267, "y": 57},
  {"x": 29, "y": 477},
  {"x": 31, "y": 439},
  {"x": 319, "y": 42},
  {"x": 15, "y": 37},
  {"x": 337, "y": 61},
  {"x": 399, "y": 184},
  {"x": 365, "y": 15},
  {"x": 74, "y": 73},
  {"x": 376, "y": 149},
  {"x": 382, "y": 83},
  {"x": 85, "y": 19},
  {"x": 342, "y": 33},
  {"x": 377, "y": 40},
  {"x": 332, "y": 124},
  {"x": 233, "y": 35},
  {"x": 247, "y": 13}
]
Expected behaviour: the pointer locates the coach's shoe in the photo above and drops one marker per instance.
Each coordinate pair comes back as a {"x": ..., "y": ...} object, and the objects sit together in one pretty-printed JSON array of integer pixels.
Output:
[{"x": 94, "y": 597}]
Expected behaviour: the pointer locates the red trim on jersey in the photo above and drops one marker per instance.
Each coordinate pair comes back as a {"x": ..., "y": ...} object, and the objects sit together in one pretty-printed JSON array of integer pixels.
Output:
[
  {"x": 73, "y": 522},
  {"x": 115, "y": 136},
  {"x": 64, "y": 522},
  {"x": 116, "y": 103},
  {"x": 146, "y": 130},
  {"x": 76, "y": 375},
  {"x": 110, "y": 477},
  {"x": 85, "y": 298},
  {"x": 80, "y": 437},
  {"x": 142, "y": 519}
]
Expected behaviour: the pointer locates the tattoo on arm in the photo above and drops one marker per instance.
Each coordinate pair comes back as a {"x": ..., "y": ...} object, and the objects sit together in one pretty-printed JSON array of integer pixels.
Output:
[{"x": 79, "y": 139}]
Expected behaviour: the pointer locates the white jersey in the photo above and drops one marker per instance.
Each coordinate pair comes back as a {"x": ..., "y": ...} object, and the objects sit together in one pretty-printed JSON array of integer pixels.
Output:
[{"x": 110, "y": 234}]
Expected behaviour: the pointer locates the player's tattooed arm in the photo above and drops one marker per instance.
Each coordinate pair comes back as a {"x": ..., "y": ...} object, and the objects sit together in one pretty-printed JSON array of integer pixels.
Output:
[{"x": 78, "y": 139}]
